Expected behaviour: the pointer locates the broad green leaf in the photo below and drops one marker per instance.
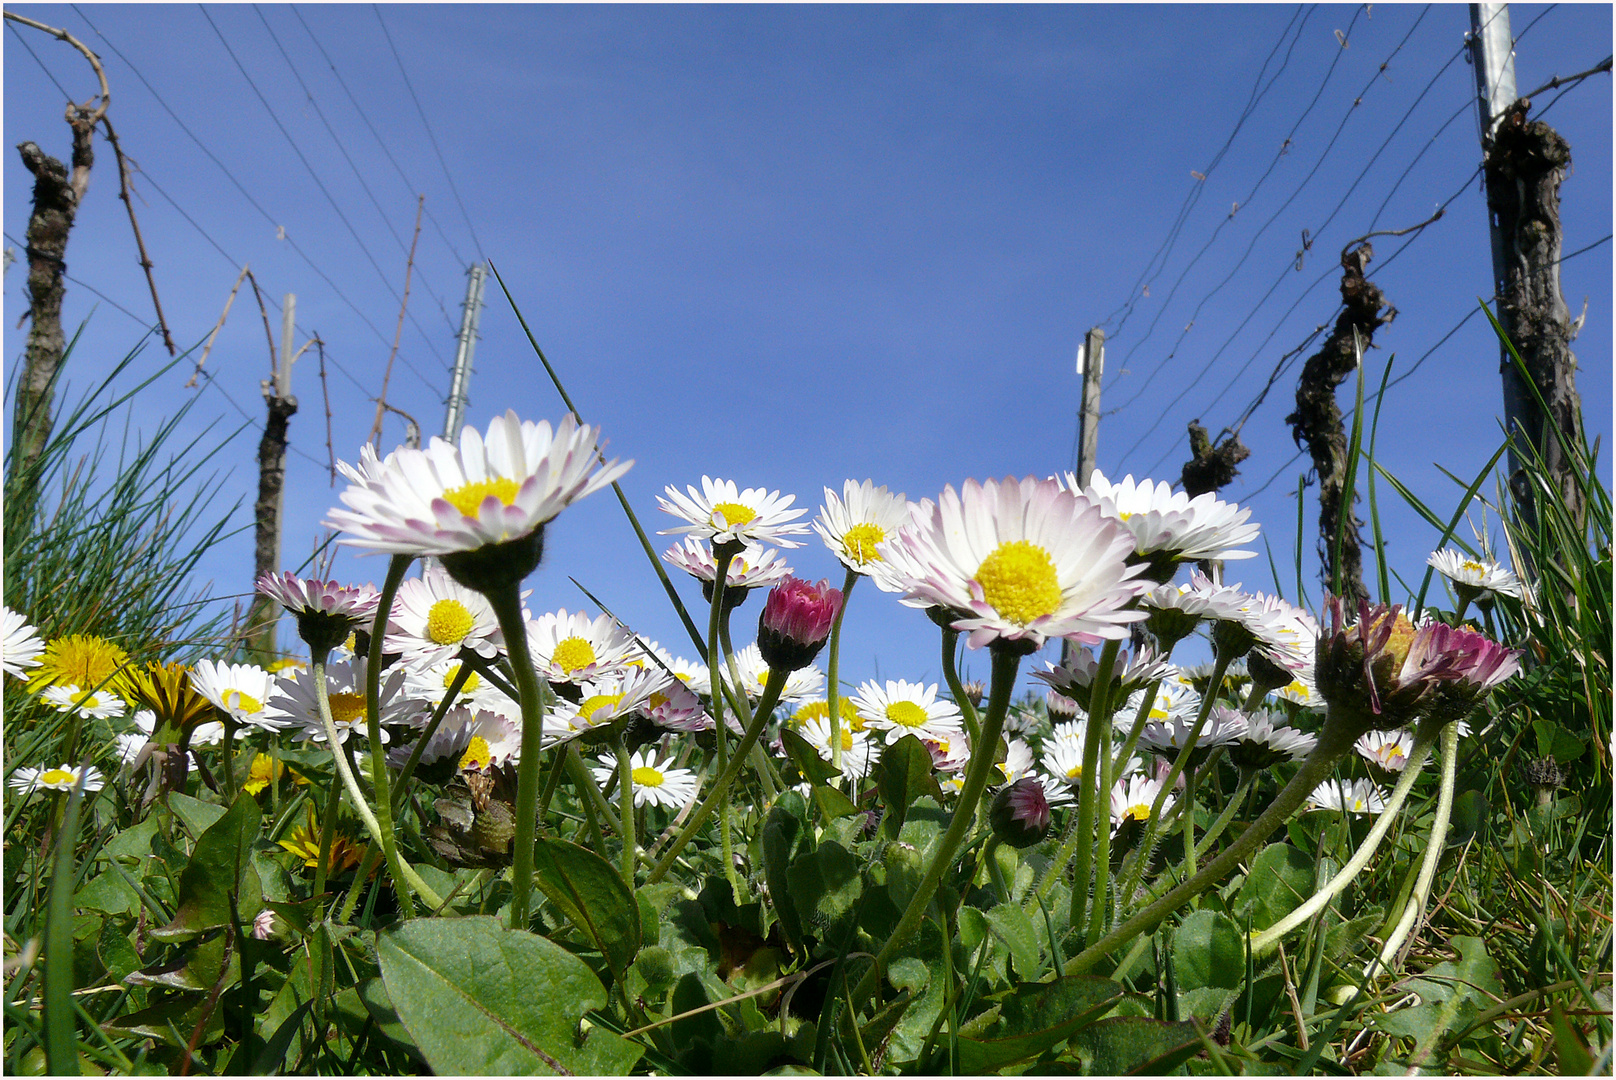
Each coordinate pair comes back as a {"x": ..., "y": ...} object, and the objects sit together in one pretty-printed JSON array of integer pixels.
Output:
[
  {"x": 1570, "y": 1048},
  {"x": 479, "y": 999},
  {"x": 1556, "y": 742},
  {"x": 1469, "y": 818},
  {"x": 1281, "y": 879},
  {"x": 832, "y": 803},
  {"x": 1020, "y": 933},
  {"x": 814, "y": 769},
  {"x": 220, "y": 865},
  {"x": 373, "y": 995},
  {"x": 780, "y": 832},
  {"x": 1035, "y": 1017},
  {"x": 904, "y": 775},
  {"x": 1136, "y": 1046},
  {"x": 825, "y": 883},
  {"x": 197, "y": 816},
  {"x": 1209, "y": 950},
  {"x": 591, "y": 893}
]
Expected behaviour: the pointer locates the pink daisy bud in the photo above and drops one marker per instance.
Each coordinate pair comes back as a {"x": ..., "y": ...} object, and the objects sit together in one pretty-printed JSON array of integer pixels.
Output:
[
  {"x": 795, "y": 622},
  {"x": 1020, "y": 813}
]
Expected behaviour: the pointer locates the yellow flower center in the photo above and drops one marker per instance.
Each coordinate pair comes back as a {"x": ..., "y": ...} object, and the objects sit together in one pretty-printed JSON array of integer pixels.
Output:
[
  {"x": 858, "y": 543},
  {"x": 351, "y": 642},
  {"x": 477, "y": 755},
  {"x": 657, "y": 700},
  {"x": 467, "y": 498},
  {"x": 1473, "y": 566},
  {"x": 734, "y": 514},
  {"x": 645, "y": 776},
  {"x": 592, "y": 705},
  {"x": 1138, "y": 811},
  {"x": 448, "y": 622},
  {"x": 906, "y": 714},
  {"x": 573, "y": 654},
  {"x": 346, "y": 708},
  {"x": 235, "y": 699},
  {"x": 57, "y": 776},
  {"x": 263, "y": 772},
  {"x": 78, "y": 660},
  {"x": 1397, "y": 645},
  {"x": 1075, "y": 772},
  {"x": 1020, "y": 582},
  {"x": 284, "y": 663},
  {"x": 471, "y": 683}
]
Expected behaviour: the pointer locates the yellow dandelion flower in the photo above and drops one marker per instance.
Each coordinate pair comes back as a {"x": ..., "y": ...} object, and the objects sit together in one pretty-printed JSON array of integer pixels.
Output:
[{"x": 81, "y": 660}]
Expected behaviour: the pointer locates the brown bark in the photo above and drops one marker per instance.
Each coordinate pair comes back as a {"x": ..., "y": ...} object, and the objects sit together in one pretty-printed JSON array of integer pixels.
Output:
[
  {"x": 267, "y": 510},
  {"x": 1316, "y": 424},
  {"x": 57, "y": 195},
  {"x": 1212, "y": 466},
  {"x": 1524, "y": 167}
]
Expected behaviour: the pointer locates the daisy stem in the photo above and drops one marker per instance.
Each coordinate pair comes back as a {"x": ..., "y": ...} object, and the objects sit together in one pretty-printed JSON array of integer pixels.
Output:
[
  {"x": 765, "y": 769},
  {"x": 1434, "y": 846},
  {"x": 328, "y": 822},
  {"x": 1097, "y": 730},
  {"x": 382, "y": 826},
  {"x": 1101, "y": 708},
  {"x": 833, "y": 718},
  {"x": 1333, "y": 742},
  {"x": 229, "y": 755},
  {"x": 718, "y": 626},
  {"x": 1140, "y": 718},
  {"x": 1187, "y": 813},
  {"x": 404, "y": 876},
  {"x": 1239, "y": 796},
  {"x": 1005, "y": 663},
  {"x": 625, "y": 807},
  {"x": 973, "y": 725},
  {"x": 589, "y": 796},
  {"x": 507, "y": 605},
  {"x": 760, "y": 717},
  {"x": 1220, "y": 666},
  {"x": 1261, "y": 943}
]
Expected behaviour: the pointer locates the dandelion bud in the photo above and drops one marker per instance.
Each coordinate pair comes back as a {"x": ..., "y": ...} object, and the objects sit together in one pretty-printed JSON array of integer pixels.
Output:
[
  {"x": 795, "y": 622},
  {"x": 974, "y": 690},
  {"x": 1020, "y": 813}
]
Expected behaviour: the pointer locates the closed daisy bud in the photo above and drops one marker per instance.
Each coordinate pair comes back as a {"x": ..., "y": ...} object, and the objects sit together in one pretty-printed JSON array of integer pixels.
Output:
[
  {"x": 1020, "y": 813},
  {"x": 795, "y": 623}
]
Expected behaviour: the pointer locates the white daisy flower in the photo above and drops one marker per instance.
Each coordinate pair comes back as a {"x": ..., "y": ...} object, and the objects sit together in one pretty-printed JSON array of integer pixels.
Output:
[
  {"x": 1167, "y": 737},
  {"x": 1388, "y": 749},
  {"x": 488, "y": 738},
  {"x": 242, "y": 690},
  {"x": 1018, "y": 761},
  {"x": 902, "y": 708},
  {"x": 1132, "y": 798},
  {"x": 949, "y": 757},
  {"x": 126, "y": 748},
  {"x": 429, "y": 685},
  {"x": 753, "y": 567},
  {"x": 294, "y": 702},
  {"x": 692, "y": 674},
  {"x": 652, "y": 780},
  {"x": 1287, "y": 636},
  {"x": 99, "y": 705},
  {"x": 723, "y": 514},
  {"x": 604, "y": 700},
  {"x": 1021, "y": 561},
  {"x": 1073, "y": 679},
  {"x": 455, "y": 497},
  {"x": 61, "y": 778},
  {"x": 20, "y": 644},
  {"x": 1357, "y": 797},
  {"x": 800, "y": 684},
  {"x": 1302, "y": 693},
  {"x": 1266, "y": 739},
  {"x": 1171, "y": 524},
  {"x": 853, "y": 524},
  {"x": 1062, "y": 759},
  {"x": 353, "y": 604},
  {"x": 858, "y": 753},
  {"x": 1481, "y": 577},
  {"x": 575, "y": 648},
  {"x": 434, "y": 617},
  {"x": 1174, "y": 700}
]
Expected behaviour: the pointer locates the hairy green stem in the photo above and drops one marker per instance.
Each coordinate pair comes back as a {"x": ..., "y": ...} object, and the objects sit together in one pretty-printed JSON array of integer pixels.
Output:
[
  {"x": 1434, "y": 846},
  {"x": 720, "y": 789},
  {"x": 833, "y": 718},
  {"x": 1096, "y": 732},
  {"x": 1261, "y": 943},
  {"x": 507, "y": 605},
  {"x": 1005, "y": 663},
  {"x": 973, "y": 723},
  {"x": 1334, "y": 741},
  {"x": 396, "y": 568},
  {"x": 625, "y": 796},
  {"x": 717, "y": 627},
  {"x": 1247, "y": 777}
]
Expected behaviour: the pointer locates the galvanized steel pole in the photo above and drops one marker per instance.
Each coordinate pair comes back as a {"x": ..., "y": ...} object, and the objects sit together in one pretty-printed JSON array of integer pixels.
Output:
[{"x": 455, "y": 412}]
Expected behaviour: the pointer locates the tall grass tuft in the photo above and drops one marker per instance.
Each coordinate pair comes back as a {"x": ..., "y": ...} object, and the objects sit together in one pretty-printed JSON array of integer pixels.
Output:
[{"x": 102, "y": 533}]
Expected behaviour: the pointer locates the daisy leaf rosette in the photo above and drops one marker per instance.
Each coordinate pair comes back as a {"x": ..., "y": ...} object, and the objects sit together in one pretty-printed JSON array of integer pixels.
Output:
[
  {"x": 434, "y": 617},
  {"x": 20, "y": 644},
  {"x": 1020, "y": 562},
  {"x": 724, "y": 513},
  {"x": 1169, "y": 526},
  {"x": 854, "y": 525},
  {"x": 482, "y": 492},
  {"x": 575, "y": 648}
]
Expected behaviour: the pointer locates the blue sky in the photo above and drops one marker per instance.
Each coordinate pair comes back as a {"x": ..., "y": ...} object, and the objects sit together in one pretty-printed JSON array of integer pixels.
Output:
[{"x": 793, "y": 245}]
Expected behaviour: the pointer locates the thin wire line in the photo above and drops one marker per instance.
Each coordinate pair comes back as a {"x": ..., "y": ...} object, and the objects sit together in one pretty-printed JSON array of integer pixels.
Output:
[
  {"x": 380, "y": 273},
  {"x": 430, "y": 136},
  {"x": 48, "y": 74}
]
